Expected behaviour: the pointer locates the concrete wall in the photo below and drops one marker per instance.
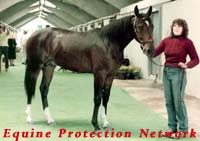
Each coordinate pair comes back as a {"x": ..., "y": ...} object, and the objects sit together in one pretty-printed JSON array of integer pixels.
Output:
[{"x": 187, "y": 9}]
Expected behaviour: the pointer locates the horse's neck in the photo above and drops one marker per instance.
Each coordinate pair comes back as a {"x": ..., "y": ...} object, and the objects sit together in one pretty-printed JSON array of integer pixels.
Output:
[{"x": 120, "y": 32}]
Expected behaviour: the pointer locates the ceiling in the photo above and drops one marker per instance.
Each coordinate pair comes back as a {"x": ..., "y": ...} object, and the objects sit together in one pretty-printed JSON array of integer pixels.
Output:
[{"x": 60, "y": 13}]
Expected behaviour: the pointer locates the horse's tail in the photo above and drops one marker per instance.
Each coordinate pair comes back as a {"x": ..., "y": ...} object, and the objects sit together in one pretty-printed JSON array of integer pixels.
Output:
[{"x": 32, "y": 70}]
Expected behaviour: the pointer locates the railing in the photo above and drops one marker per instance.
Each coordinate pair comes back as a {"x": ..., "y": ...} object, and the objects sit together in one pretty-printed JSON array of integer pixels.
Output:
[
  {"x": 99, "y": 22},
  {"x": 10, "y": 28}
]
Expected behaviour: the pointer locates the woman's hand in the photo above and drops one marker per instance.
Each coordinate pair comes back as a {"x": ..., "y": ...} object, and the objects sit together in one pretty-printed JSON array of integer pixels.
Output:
[{"x": 182, "y": 65}]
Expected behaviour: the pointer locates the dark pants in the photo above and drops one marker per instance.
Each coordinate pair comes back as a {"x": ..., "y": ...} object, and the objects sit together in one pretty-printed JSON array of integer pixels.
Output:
[{"x": 4, "y": 51}]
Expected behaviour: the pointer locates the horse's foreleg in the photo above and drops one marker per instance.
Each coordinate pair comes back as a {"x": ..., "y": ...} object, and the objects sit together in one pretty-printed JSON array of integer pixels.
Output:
[
  {"x": 44, "y": 88},
  {"x": 98, "y": 87},
  {"x": 28, "y": 113},
  {"x": 48, "y": 116},
  {"x": 106, "y": 95}
]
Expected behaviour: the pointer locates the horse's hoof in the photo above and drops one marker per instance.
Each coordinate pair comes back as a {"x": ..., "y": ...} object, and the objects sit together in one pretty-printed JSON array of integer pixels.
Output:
[
  {"x": 107, "y": 127},
  {"x": 29, "y": 121},
  {"x": 96, "y": 131},
  {"x": 51, "y": 123}
]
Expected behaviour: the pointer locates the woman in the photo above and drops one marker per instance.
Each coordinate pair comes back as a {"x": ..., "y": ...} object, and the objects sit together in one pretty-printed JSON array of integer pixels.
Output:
[
  {"x": 176, "y": 47},
  {"x": 12, "y": 49},
  {"x": 4, "y": 33}
]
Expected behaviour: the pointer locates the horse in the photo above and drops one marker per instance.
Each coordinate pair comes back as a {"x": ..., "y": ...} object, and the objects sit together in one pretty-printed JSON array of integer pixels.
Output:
[{"x": 98, "y": 51}]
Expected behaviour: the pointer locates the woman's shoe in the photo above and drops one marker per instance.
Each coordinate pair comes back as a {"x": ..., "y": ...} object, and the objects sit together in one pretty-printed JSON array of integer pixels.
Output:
[{"x": 169, "y": 133}]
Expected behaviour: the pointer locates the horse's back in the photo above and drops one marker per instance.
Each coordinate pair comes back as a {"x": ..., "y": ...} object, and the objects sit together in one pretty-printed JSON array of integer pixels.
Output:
[{"x": 78, "y": 51}]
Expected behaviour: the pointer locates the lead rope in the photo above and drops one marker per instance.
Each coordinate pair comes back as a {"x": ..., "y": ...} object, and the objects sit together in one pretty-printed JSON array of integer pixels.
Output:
[
  {"x": 155, "y": 62},
  {"x": 159, "y": 65}
]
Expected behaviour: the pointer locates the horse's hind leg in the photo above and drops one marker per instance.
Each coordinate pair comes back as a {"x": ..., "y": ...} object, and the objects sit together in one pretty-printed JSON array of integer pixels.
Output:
[
  {"x": 106, "y": 95},
  {"x": 30, "y": 82},
  {"x": 44, "y": 88}
]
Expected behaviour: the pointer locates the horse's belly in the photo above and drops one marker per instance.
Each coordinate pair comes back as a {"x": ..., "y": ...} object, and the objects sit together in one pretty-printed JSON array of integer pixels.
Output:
[
  {"x": 81, "y": 68},
  {"x": 76, "y": 64}
]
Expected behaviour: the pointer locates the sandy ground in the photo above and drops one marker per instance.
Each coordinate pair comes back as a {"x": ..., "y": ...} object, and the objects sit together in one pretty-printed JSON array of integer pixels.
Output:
[{"x": 151, "y": 94}]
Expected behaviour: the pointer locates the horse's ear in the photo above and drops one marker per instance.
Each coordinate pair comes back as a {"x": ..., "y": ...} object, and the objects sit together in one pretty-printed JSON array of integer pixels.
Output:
[
  {"x": 149, "y": 11},
  {"x": 136, "y": 11}
]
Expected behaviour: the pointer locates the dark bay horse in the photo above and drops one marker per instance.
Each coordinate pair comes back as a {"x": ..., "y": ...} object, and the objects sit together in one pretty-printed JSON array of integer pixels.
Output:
[{"x": 99, "y": 51}]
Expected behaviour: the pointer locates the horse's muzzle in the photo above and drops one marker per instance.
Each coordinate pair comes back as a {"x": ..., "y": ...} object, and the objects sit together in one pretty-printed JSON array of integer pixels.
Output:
[{"x": 148, "y": 49}]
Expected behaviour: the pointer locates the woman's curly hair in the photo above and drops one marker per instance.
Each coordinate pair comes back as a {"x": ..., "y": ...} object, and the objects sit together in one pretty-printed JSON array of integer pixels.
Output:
[{"x": 180, "y": 22}]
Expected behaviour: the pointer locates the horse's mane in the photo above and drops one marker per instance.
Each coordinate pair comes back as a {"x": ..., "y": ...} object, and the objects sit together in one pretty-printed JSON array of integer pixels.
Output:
[
  {"x": 116, "y": 27},
  {"x": 112, "y": 30}
]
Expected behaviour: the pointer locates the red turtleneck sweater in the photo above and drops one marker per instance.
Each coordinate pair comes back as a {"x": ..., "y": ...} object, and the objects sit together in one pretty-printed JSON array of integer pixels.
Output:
[{"x": 176, "y": 50}]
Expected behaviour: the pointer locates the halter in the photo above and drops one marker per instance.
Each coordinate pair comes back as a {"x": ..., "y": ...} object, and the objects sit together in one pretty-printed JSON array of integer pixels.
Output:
[{"x": 141, "y": 42}]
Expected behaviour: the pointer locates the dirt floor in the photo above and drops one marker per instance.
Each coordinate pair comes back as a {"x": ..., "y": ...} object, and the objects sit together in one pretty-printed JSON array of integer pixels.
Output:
[{"x": 151, "y": 94}]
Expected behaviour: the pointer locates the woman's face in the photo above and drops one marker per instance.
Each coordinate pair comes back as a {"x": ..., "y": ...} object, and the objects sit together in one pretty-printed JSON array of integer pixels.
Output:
[{"x": 177, "y": 29}]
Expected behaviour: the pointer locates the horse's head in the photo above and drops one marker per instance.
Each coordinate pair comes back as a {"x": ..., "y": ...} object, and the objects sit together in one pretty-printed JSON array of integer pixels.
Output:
[{"x": 143, "y": 28}]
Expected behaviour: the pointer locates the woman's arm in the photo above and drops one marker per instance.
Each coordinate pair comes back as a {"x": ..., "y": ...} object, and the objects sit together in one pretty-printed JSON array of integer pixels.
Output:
[
  {"x": 193, "y": 55},
  {"x": 159, "y": 49}
]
